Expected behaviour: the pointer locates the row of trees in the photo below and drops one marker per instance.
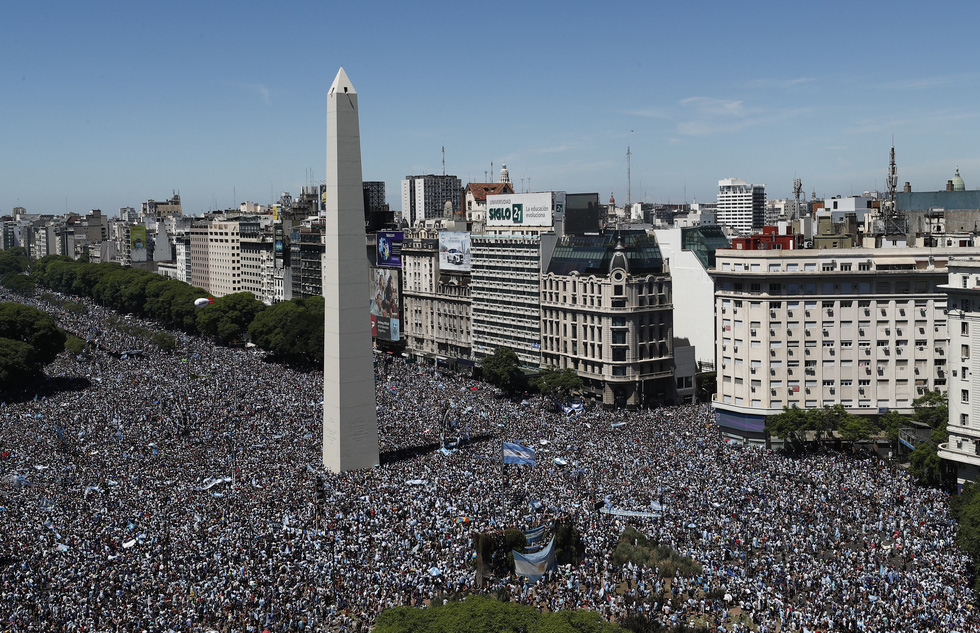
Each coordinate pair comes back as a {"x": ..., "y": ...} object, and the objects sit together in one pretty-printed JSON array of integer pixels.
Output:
[
  {"x": 291, "y": 329},
  {"x": 503, "y": 369},
  {"x": 931, "y": 412}
]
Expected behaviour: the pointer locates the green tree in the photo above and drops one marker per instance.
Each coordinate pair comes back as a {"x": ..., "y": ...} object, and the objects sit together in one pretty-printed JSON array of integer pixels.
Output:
[
  {"x": 965, "y": 508},
  {"x": 18, "y": 283},
  {"x": 931, "y": 409},
  {"x": 29, "y": 340},
  {"x": 792, "y": 425},
  {"x": 14, "y": 260},
  {"x": 559, "y": 383},
  {"x": 706, "y": 384},
  {"x": 228, "y": 318},
  {"x": 479, "y": 614},
  {"x": 292, "y": 329},
  {"x": 502, "y": 369}
]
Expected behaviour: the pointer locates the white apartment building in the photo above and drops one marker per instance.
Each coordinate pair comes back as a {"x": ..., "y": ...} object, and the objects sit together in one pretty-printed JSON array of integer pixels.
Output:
[
  {"x": 741, "y": 206},
  {"x": 505, "y": 292},
  {"x": 224, "y": 258},
  {"x": 963, "y": 297},
  {"x": 863, "y": 328}
]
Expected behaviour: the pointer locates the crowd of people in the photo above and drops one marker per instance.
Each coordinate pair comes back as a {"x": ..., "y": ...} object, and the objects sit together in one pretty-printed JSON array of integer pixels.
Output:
[{"x": 184, "y": 491}]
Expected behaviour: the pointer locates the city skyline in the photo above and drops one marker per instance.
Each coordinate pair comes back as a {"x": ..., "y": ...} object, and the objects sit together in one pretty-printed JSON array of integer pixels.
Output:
[{"x": 110, "y": 105}]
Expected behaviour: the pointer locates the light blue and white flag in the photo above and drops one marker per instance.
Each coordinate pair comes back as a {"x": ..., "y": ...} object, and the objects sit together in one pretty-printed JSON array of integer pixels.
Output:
[
  {"x": 517, "y": 454},
  {"x": 535, "y": 565}
]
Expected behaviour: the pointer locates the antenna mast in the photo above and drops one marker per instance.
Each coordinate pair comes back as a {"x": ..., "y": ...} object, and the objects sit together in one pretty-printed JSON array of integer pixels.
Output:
[
  {"x": 797, "y": 192},
  {"x": 443, "y": 160},
  {"x": 629, "y": 193}
]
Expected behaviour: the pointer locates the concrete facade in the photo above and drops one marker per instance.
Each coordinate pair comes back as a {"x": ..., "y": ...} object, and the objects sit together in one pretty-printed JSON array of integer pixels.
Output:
[
  {"x": 350, "y": 420},
  {"x": 963, "y": 296},
  {"x": 811, "y": 328}
]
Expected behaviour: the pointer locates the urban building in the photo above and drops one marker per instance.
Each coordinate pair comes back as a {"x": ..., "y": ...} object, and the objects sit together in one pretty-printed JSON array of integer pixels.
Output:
[
  {"x": 741, "y": 206},
  {"x": 154, "y": 209},
  {"x": 962, "y": 451},
  {"x": 425, "y": 197},
  {"x": 199, "y": 253},
  {"x": 864, "y": 328},
  {"x": 505, "y": 294},
  {"x": 690, "y": 252},
  {"x": 475, "y": 198},
  {"x": 436, "y": 322},
  {"x": 306, "y": 248},
  {"x": 606, "y": 313}
]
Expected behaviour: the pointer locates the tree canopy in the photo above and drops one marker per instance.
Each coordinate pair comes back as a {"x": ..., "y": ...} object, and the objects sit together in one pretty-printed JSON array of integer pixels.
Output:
[
  {"x": 227, "y": 319},
  {"x": 502, "y": 369},
  {"x": 560, "y": 383},
  {"x": 29, "y": 340},
  {"x": 292, "y": 329},
  {"x": 478, "y": 614}
]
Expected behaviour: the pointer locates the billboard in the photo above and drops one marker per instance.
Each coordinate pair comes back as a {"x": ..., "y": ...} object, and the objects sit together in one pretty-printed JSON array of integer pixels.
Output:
[
  {"x": 390, "y": 248},
  {"x": 525, "y": 209},
  {"x": 137, "y": 243},
  {"x": 583, "y": 213},
  {"x": 385, "y": 304},
  {"x": 454, "y": 251},
  {"x": 278, "y": 245}
]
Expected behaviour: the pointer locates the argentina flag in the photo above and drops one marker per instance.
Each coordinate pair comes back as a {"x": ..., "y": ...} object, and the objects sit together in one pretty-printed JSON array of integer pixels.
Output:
[{"x": 517, "y": 454}]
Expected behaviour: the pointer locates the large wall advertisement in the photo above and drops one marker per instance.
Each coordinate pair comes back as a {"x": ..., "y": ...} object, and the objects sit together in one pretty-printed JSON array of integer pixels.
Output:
[
  {"x": 385, "y": 304},
  {"x": 525, "y": 209},
  {"x": 390, "y": 248},
  {"x": 137, "y": 243},
  {"x": 454, "y": 251}
]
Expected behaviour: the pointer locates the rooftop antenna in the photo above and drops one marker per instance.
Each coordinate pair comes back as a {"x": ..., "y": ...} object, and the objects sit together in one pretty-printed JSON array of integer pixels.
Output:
[
  {"x": 629, "y": 192},
  {"x": 443, "y": 160},
  {"x": 797, "y": 192},
  {"x": 491, "y": 170},
  {"x": 522, "y": 185}
]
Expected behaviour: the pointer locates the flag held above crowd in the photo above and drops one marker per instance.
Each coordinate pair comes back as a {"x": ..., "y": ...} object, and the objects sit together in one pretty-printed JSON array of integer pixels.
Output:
[{"x": 517, "y": 454}]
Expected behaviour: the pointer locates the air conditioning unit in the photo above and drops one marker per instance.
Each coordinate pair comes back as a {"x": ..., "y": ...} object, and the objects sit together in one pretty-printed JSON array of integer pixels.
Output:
[
  {"x": 808, "y": 332},
  {"x": 772, "y": 313},
  {"x": 807, "y": 352},
  {"x": 808, "y": 390},
  {"x": 861, "y": 331},
  {"x": 752, "y": 332},
  {"x": 772, "y": 332},
  {"x": 752, "y": 370},
  {"x": 867, "y": 351},
  {"x": 832, "y": 352},
  {"x": 833, "y": 390},
  {"x": 807, "y": 313},
  {"x": 867, "y": 312},
  {"x": 789, "y": 332},
  {"x": 902, "y": 311},
  {"x": 861, "y": 390},
  {"x": 772, "y": 372},
  {"x": 773, "y": 391},
  {"x": 830, "y": 312},
  {"x": 826, "y": 332},
  {"x": 753, "y": 389},
  {"x": 772, "y": 352},
  {"x": 735, "y": 349},
  {"x": 888, "y": 331}
]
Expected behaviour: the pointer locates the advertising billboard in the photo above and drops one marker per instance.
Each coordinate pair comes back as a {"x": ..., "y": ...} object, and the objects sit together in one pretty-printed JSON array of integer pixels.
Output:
[
  {"x": 454, "y": 251},
  {"x": 390, "y": 248},
  {"x": 137, "y": 243},
  {"x": 385, "y": 304},
  {"x": 524, "y": 209},
  {"x": 278, "y": 245}
]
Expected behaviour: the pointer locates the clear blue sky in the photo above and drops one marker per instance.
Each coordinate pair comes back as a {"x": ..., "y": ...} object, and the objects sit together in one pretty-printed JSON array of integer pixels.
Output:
[{"x": 105, "y": 105}]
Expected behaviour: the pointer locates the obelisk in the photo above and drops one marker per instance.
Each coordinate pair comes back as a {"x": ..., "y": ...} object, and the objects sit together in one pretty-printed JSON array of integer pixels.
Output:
[{"x": 350, "y": 419}]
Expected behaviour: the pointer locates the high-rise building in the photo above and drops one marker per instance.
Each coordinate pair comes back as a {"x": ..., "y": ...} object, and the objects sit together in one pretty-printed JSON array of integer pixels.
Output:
[
  {"x": 425, "y": 197},
  {"x": 505, "y": 292},
  {"x": 962, "y": 449},
  {"x": 741, "y": 206},
  {"x": 864, "y": 328}
]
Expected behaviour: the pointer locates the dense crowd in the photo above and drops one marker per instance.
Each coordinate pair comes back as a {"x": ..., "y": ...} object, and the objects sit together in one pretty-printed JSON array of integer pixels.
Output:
[{"x": 176, "y": 492}]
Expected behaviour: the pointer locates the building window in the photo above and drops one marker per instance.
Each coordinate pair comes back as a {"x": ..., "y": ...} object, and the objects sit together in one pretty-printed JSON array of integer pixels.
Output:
[
  {"x": 964, "y": 328},
  {"x": 964, "y": 419},
  {"x": 964, "y": 395}
]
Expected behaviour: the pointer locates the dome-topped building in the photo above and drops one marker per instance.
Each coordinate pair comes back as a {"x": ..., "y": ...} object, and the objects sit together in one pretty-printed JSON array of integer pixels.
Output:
[{"x": 958, "y": 184}]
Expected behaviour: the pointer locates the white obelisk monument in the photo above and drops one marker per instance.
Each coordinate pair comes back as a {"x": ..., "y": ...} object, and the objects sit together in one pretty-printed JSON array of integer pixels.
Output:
[{"x": 350, "y": 419}]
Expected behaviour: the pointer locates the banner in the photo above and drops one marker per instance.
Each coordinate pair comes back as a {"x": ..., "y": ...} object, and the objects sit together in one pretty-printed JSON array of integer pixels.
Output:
[
  {"x": 385, "y": 304},
  {"x": 517, "y": 454},
  {"x": 454, "y": 251},
  {"x": 389, "y": 248},
  {"x": 535, "y": 565},
  {"x": 137, "y": 243}
]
